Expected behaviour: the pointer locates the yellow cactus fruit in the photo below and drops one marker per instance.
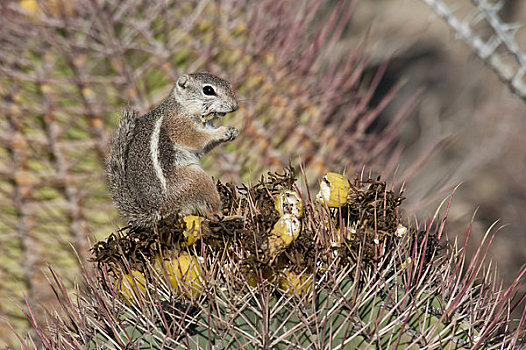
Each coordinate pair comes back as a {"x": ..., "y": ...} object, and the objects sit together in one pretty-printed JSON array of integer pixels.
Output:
[
  {"x": 185, "y": 275},
  {"x": 131, "y": 286},
  {"x": 406, "y": 262},
  {"x": 296, "y": 284},
  {"x": 333, "y": 190},
  {"x": 401, "y": 230},
  {"x": 29, "y": 5},
  {"x": 53, "y": 7},
  {"x": 335, "y": 237},
  {"x": 250, "y": 277},
  {"x": 287, "y": 229},
  {"x": 193, "y": 227},
  {"x": 289, "y": 202}
]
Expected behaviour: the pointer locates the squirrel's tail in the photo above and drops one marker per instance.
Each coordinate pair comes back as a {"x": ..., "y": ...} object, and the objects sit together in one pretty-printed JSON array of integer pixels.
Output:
[{"x": 116, "y": 163}]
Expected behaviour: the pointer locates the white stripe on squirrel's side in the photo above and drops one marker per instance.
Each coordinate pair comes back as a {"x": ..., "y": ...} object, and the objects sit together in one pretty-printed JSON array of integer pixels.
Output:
[{"x": 154, "y": 152}]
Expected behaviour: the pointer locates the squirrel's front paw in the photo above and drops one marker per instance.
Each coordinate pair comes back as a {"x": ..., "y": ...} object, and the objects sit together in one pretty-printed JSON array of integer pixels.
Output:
[{"x": 230, "y": 133}]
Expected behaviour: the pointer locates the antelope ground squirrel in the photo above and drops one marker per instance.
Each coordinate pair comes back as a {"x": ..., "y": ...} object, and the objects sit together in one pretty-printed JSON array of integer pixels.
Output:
[{"x": 154, "y": 168}]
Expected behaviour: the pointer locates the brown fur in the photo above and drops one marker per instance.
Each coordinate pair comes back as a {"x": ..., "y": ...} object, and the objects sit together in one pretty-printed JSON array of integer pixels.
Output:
[{"x": 154, "y": 166}]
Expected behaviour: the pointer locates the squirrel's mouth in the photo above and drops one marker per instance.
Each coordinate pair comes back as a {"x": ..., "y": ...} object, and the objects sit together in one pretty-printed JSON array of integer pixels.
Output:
[{"x": 208, "y": 119}]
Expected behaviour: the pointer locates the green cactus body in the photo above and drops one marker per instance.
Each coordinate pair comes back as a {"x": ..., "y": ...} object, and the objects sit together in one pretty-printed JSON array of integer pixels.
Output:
[{"x": 374, "y": 289}]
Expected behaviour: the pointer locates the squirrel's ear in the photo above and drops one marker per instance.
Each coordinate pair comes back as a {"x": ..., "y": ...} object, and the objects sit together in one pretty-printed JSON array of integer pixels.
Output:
[{"x": 183, "y": 80}]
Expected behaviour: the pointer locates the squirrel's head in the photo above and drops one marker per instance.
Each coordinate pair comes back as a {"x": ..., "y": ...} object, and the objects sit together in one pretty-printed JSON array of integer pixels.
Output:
[{"x": 204, "y": 95}]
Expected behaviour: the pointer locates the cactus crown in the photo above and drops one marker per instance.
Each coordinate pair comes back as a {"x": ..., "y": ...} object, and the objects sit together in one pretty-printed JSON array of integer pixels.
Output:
[{"x": 352, "y": 276}]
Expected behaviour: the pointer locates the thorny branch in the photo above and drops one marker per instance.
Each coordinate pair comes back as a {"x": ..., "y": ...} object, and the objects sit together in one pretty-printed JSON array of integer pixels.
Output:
[{"x": 511, "y": 73}]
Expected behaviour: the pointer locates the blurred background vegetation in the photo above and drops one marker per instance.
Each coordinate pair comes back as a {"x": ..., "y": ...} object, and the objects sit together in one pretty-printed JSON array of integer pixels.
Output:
[{"x": 334, "y": 85}]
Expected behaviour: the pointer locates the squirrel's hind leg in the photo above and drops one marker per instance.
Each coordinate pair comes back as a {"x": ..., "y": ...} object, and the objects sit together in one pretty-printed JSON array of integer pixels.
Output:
[{"x": 194, "y": 193}]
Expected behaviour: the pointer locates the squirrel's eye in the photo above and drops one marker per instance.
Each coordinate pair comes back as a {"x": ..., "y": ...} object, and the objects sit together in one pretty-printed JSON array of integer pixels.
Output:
[{"x": 208, "y": 90}]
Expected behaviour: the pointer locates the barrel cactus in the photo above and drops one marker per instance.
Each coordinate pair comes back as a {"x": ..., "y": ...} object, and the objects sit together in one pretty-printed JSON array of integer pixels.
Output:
[{"x": 355, "y": 277}]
